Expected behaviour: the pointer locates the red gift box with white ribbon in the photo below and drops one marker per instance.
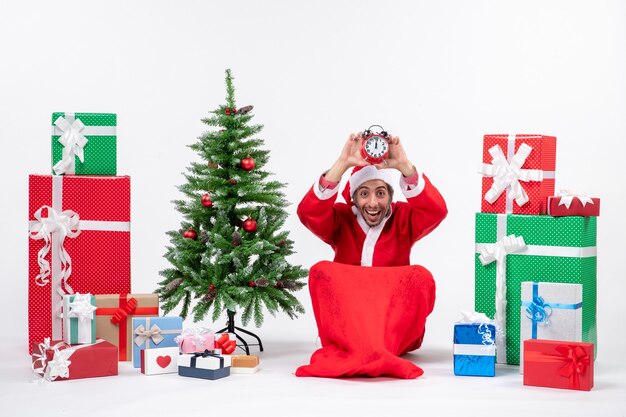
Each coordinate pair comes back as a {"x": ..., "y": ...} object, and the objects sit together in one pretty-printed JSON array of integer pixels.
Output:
[
  {"x": 558, "y": 364},
  {"x": 79, "y": 242},
  {"x": 57, "y": 361},
  {"x": 571, "y": 203},
  {"x": 225, "y": 343},
  {"x": 518, "y": 173}
]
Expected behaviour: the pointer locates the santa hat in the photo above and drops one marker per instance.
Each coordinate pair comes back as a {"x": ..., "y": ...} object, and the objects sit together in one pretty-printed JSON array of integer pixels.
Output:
[{"x": 363, "y": 174}]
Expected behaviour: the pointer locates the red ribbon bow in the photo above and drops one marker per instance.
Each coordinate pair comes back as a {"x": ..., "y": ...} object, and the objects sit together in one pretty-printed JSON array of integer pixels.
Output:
[
  {"x": 230, "y": 110},
  {"x": 576, "y": 361},
  {"x": 123, "y": 312},
  {"x": 228, "y": 346}
]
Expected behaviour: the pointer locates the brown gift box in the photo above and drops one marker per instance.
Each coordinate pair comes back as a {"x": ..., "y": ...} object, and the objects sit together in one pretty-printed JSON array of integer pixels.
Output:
[
  {"x": 244, "y": 361},
  {"x": 114, "y": 316}
]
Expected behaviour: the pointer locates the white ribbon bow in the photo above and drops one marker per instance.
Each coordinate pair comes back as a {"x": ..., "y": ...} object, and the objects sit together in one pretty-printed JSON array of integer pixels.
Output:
[
  {"x": 143, "y": 335},
  {"x": 200, "y": 337},
  {"x": 508, "y": 175},
  {"x": 65, "y": 224},
  {"x": 473, "y": 317},
  {"x": 82, "y": 308},
  {"x": 58, "y": 367},
  {"x": 482, "y": 320},
  {"x": 73, "y": 143},
  {"x": 567, "y": 196},
  {"x": 497, "y": 252}
]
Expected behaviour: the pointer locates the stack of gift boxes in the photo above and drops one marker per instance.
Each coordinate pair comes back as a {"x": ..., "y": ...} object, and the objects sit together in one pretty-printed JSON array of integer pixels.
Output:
[
  {"x": 535, "y": 265},
  {"x": 82, "y": 317}
]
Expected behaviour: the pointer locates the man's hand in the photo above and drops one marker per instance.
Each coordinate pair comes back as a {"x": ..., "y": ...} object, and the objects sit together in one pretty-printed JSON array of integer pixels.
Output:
[
  {"x": 349, "y": 157},
  {"x": 397, "y": 158}
]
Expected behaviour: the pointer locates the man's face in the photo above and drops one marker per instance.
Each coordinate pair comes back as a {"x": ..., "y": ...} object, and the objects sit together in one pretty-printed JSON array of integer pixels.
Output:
[{"x": 373, "y": 201}]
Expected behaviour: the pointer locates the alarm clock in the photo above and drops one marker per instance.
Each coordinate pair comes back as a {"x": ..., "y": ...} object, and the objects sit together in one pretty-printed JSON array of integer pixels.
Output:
[{"x": 375, "y": 145}]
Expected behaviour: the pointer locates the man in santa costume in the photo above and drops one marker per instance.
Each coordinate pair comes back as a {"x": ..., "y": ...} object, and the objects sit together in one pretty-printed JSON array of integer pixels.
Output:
[
  {"x": 370, "y": 229},
  {"x": 370, "y": 304}
]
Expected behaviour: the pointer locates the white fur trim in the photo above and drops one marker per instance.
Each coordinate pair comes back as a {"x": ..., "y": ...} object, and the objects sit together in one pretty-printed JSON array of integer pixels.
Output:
[
  {"x": 324, "y": 194},
  {"x": 371, "y": 236},
  {"x": 368, "y": 173},
  {"x": 408, "y": 193}
]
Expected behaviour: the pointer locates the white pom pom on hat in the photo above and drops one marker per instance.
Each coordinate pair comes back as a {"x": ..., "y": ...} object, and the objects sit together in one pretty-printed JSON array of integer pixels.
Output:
[{"x": 363, "y": 174}]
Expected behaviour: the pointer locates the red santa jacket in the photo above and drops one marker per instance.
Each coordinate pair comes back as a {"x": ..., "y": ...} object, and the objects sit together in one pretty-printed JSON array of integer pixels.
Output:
[{"x": 389, "y": 244}]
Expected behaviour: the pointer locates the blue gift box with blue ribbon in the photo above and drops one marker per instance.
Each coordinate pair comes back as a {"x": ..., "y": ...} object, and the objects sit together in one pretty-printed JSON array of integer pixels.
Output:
[
  {"x": 474, "y": 349},
  {"x": 551, "y": 311}
]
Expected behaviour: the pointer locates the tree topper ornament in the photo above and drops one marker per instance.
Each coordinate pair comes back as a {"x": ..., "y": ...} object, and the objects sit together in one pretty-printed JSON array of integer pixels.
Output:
[{"x": 375, "y": 145}]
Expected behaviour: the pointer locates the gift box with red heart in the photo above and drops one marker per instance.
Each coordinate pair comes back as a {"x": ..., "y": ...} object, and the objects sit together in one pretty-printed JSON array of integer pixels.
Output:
[
  {"x": 154, "y": 332},
  {"x": 159, "y": 361},
  {"x": 558, "y": 364}
]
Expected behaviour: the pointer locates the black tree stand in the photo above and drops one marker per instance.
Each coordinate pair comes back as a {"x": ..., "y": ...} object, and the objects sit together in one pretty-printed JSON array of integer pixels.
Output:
[{"x": 230, "y": 328}]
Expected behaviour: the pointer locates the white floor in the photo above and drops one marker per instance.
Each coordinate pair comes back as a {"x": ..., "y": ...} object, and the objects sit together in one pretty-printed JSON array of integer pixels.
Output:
[{"x": 274, "y": 390}]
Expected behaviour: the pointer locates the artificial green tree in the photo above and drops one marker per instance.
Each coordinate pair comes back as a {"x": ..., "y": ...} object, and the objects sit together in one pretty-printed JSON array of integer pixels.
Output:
[{"x": 230, "y": 254}]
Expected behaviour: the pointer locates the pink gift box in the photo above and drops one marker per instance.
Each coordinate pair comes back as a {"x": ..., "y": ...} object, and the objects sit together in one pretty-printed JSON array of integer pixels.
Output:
[{"x": 196, "y": 340}]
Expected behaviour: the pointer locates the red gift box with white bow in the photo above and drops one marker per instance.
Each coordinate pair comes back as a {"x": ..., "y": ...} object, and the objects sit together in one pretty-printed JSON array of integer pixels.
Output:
[
  {"x": 79, "y": 243},
  {"x": 518, "y": 173},
  {"x": 572, "y": 204},
  {"x": 225, "y": 343},
  {"x": 558, "y": 364},
  {"x": 57, "y": 361}
]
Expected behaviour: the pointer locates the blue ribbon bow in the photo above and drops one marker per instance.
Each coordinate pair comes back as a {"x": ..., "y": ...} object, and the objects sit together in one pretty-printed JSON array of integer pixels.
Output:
[{"x": 538, "y": 311}]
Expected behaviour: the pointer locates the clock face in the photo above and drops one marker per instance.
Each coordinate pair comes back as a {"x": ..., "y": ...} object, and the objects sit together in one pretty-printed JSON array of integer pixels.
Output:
[{"x": 376, "y": 146}]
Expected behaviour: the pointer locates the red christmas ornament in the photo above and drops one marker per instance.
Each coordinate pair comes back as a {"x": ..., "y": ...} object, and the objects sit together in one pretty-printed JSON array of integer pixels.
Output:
[
  {"x": 211, "y": 287},
  {"x": 279, "y": 284},
  {"x": 190, "y": 234},
  {"x": 249, "y": 225},
  {"x": 206, "y": 201},
  {"x": 232, "y": 181},
  {"x": 247, "y": 164},
  {"x": 230, "y": 111},
  {"x": 251, "y": 284}
]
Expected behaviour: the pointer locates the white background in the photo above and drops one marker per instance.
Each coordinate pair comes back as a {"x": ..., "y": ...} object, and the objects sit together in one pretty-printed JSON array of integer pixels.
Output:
[{"x": 438, "y": 74}]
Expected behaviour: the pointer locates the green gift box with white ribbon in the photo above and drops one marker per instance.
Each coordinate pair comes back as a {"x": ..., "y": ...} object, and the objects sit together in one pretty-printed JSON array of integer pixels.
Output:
[
  {"x": 514, "y": 248},
  {"x": 84, "y": 143}
]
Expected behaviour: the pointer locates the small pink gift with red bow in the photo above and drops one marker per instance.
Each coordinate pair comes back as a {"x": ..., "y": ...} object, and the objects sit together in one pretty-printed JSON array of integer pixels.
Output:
[{"x": 196, "y": 340}]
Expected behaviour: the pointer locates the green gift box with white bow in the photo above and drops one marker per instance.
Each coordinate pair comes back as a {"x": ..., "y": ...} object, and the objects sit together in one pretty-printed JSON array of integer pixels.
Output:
[
  {"x": 514, "y": 248},
  {"x": 84, "y": 143}
]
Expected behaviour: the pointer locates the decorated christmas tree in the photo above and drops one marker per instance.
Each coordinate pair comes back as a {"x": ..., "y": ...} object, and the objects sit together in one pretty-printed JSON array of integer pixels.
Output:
[{"x": 230, "y": 253}]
